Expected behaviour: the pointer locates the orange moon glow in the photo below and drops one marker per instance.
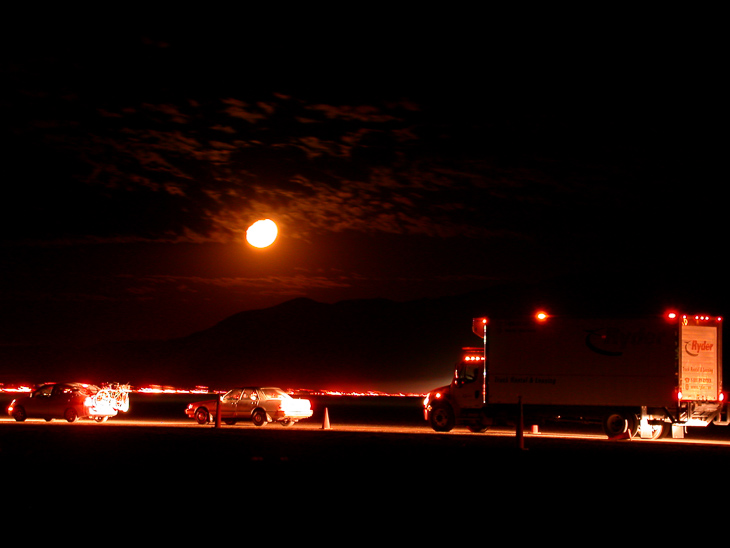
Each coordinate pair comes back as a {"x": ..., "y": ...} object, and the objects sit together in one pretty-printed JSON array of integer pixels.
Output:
[{"x": 262, "y": 233}]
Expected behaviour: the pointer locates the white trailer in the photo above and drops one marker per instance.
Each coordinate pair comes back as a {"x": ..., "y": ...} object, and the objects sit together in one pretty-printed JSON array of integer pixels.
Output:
[{"x": 651, "y": 376}]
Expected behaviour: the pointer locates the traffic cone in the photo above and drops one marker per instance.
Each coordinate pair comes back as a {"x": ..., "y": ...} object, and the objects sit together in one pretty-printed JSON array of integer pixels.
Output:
[
  {"x": 626, "y": 435},
  {"x": 326, "y": 422}
]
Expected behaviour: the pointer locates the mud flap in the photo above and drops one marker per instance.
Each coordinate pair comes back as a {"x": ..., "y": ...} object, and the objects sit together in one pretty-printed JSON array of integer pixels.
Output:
[{"x": 645, "y": 429}]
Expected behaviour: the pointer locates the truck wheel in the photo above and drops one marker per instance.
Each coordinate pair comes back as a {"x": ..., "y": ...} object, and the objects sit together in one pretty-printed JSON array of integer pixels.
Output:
[
  {"x": 617, "y": 423},
  {"x": 480, "y": 425},
  {"x": 442, "y": 418}
]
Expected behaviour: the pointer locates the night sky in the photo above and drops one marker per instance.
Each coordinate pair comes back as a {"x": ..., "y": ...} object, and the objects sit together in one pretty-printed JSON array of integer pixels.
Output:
[{"x": 402, "y": 157}]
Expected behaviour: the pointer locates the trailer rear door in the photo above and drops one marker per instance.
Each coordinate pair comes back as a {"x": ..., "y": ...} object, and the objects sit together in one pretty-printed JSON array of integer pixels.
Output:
[{"x": 700, "y": 359}]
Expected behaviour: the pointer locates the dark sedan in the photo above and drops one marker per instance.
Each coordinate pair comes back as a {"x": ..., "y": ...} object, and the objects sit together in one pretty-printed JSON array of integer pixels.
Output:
[{"x": 69, "y": 401}]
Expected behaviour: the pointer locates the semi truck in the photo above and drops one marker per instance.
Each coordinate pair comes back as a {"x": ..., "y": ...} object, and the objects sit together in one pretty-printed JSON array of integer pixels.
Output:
[{"x": 648, "y": 376}]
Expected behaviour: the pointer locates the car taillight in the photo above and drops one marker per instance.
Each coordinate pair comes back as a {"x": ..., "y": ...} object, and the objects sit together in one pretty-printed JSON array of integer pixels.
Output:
[{"x": 294, "y": 405}]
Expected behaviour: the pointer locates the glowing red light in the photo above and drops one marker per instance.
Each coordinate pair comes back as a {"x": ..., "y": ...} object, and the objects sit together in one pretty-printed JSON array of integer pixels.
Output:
[{"x": 541, "y": 316}]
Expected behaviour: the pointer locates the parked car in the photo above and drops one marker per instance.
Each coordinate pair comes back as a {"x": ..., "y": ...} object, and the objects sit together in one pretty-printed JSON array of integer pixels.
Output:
[
  {"x": 259, "y": 405},
  {"x": 70, "y": 401}
]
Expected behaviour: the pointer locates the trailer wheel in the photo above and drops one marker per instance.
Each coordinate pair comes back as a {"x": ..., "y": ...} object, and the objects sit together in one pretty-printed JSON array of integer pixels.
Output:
[
  {"x": 442, "y": 418},
  {"x": 618, "y": 423}
]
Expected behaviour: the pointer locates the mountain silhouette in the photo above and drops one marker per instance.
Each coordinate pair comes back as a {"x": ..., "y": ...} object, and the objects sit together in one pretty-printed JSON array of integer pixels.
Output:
[
  {"x": 370, "y": 344},
  {"x": 350, "y": 345}
]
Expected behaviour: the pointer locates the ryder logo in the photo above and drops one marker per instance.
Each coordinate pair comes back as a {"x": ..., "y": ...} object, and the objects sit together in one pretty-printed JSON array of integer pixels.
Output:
[
  {"x": 695, "y": 347},
  {"x": 614, "y": 341},
  {"x": 596, "y": 341}
]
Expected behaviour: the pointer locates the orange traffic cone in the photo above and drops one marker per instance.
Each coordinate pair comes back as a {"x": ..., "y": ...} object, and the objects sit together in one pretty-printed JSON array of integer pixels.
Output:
[
  {"x": 626, "y": 435},
  {"x": 326, "y": 422}
]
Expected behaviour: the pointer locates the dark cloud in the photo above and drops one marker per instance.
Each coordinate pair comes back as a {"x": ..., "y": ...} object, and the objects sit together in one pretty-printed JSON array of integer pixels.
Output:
[{"x": 405, "y": 160}]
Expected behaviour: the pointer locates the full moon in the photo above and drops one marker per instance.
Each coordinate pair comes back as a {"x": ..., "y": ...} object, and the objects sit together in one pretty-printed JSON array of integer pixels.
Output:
[{"x": 262, "y": 233}]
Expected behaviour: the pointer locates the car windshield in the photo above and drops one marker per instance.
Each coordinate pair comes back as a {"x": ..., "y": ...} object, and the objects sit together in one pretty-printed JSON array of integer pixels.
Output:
[{"x": 274, "y": 393}]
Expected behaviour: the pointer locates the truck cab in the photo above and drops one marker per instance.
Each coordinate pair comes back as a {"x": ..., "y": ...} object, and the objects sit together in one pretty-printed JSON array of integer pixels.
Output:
[{"x": 463, "y": 400}]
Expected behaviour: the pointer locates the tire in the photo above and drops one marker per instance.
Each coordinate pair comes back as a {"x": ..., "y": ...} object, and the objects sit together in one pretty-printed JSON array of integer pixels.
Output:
[
  {"x": 480, "y": 425},
  {"x": 617, "y": 423},
  {"x": 101, "y": 419},
  {"x": 19, "y": 414},
  {"x": 70, "y": 415},
  {"x": 202, "y": 416},
  {"x": 442, "y": 418},
  {"x": 287, "y": 422},
  {"x": 259, "y": 417}
]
